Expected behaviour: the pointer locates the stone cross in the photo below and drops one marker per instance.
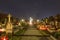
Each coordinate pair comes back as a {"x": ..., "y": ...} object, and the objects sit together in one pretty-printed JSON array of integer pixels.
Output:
[{"x": 9, "y": 16}]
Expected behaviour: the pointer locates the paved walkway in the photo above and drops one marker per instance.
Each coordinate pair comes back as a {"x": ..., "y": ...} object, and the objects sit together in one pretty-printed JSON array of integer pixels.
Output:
[{"x": 33, "y": 31}]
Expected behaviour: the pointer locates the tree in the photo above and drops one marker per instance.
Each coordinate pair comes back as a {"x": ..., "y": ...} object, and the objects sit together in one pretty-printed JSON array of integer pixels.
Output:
[
  {"x": 51, "y": 18},
  {"x": 57, "y": 17}
]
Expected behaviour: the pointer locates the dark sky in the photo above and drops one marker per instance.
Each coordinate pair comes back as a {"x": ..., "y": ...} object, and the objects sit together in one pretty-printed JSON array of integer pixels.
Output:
[{"x": 27, "y": 8}]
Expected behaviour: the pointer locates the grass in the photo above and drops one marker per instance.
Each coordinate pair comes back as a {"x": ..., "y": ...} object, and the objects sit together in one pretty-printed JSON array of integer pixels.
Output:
[{"x": 18, "y": 33}]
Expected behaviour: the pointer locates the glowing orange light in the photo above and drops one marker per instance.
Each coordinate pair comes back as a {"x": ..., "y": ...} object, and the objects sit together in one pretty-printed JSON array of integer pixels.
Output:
[
  {"x": 42, "y": 27},
  {"x": 4, "y": 38}
]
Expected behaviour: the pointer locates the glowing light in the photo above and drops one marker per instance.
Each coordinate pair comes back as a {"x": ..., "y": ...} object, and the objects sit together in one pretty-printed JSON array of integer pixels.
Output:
[
  {"x": 37, "y": 20},
  {"x": 22, "y": 20},
  {"x": 42, "y": 27},
  {"x": 4, "y": 38},
  {"x": 31, "y": 20},
  {"x": 2, "y": 29}
]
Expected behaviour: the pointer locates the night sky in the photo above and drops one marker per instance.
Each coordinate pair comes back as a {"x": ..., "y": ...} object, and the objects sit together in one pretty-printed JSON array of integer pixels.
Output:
[{"x": 27, "y": 8}]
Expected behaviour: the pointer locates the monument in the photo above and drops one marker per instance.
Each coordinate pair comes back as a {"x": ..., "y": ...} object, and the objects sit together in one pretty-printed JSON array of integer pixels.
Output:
[
  {"x": 9, "y": 26},
  {"x": 31, "y": 21}
]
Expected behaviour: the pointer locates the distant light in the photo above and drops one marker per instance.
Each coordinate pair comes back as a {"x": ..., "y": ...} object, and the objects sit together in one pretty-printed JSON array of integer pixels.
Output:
[
  {"x": 22, "y": 20},
  {"x": 37, "y": 20},
  {"x": 30, "y": 21},
  {"x": 42, "y": 27},
  {"x": 2, "y": 30}
]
